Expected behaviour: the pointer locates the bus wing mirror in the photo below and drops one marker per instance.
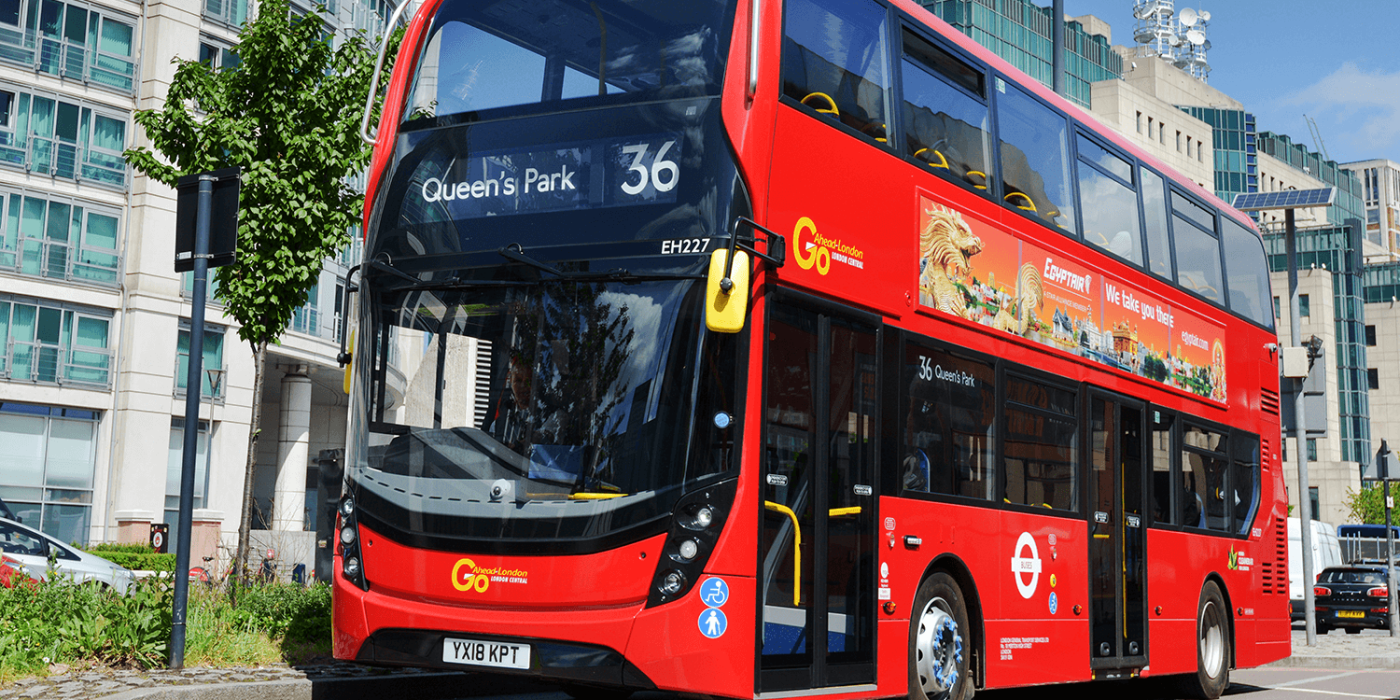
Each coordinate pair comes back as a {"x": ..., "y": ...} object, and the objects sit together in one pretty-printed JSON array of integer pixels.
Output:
[{"x": 727, "y": 297}]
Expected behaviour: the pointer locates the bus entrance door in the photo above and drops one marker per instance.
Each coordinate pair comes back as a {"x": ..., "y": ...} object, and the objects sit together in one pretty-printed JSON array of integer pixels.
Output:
[
  {"x": 1118, "y": 537},
  {"x": 816, "y": 625}
]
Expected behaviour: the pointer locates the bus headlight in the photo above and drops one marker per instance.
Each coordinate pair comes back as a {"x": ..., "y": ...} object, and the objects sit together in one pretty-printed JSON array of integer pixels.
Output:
[
  {"x": 695, "y": 528},
  {"x": 352, "y": 567}
]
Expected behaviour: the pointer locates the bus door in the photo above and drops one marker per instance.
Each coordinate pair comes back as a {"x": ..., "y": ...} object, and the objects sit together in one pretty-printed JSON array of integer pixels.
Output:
[
  {"x": 1118, "y": 537},
  {"x": 817, "y": 558}
]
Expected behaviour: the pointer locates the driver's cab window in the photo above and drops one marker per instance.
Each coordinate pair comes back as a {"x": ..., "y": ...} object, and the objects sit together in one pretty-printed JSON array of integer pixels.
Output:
[{"x": 836, "y": 61}]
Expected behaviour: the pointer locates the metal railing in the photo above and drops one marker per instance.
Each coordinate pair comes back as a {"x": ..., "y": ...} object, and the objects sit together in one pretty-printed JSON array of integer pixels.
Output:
[
  {"x": 59, "y": 260},
  {"x": 48, "y": 363},
  {"x": 67, "y": 59},
  {"x": 310, "y": 321},
  {"x": 62, "y": 159}
]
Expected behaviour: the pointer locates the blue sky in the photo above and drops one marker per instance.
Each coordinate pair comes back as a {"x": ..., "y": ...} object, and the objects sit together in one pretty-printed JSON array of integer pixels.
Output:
[{"x": 1285, "y": 58}]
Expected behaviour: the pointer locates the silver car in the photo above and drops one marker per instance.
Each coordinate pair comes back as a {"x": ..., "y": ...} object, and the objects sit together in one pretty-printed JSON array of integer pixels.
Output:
[{"x": 33, "y": 548}]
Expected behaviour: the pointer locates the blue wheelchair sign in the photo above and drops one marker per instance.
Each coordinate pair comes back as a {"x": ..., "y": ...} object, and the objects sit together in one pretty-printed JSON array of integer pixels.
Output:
[
  {"x": 714, "y": 592},
  {"x": 713, "y": 623}
]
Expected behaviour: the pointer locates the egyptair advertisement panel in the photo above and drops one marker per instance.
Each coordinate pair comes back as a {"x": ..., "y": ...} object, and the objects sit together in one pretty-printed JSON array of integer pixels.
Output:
[{"x": 976, "y": 271}]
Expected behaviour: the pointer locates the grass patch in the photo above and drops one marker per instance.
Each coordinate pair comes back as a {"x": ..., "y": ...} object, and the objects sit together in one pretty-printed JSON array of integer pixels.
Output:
[{"x": 82, "y": 626}]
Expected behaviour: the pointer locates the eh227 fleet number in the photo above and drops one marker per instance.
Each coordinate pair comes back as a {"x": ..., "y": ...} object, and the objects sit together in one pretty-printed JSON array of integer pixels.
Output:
[{"x": 685, "y": 246}]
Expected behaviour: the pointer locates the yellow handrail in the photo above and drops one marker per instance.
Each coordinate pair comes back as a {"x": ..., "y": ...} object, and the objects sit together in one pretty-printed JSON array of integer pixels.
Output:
[
  {"x": 943, "y": 159},
  {"x": 839, "y": 512},
  {"x": 834, "y": 110},
  {"x": 796, "y": 550},
  {"x": 590, "y": 496}
]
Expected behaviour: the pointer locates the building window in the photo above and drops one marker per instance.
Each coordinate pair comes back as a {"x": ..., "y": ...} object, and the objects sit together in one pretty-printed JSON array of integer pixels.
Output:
[
  {"x": 1178, "y": 142},
  {"x": 69, "y": 40},
  {"x": 212, "y": 386},
  {"x": 58, "y": 238},
  {"x": 174, "y": 466},
  {"x": 1370, "y": 336},
  {"x": 1315, "y": 502},
  {"x": 1312, "y": 449},
  {"x": 1276, "y": 309},
  {"x": 231, "y": 12},
  {"x": 1149, "y": 128},
  {"x": 50, "y": 455},
  {"x": 50, "y": 344},
  {"x": 1373, "y": 379},
  {"x": 1139, "y": 122},
  {"x": 1304, "y": 306},
  {"x": 217, "y": 54},
  {"x": 66, "y": 140},
  {"x": 1188, "y": 146},
  {"x": 1162, "y": 133}
]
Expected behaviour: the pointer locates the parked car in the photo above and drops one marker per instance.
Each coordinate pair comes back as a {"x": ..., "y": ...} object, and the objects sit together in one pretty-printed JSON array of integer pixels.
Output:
[
  {"x": 6, "y": 513},
  {"x": 33, "y": 549},
  {"x": 1351, "y": 597}
]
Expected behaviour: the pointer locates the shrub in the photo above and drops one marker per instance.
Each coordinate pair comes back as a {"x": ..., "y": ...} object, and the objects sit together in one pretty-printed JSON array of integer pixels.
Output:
[
  {"x": 60, "y": 621},
  {"x": 300, "y": 615},
  {"x": 138, "y": 557}
]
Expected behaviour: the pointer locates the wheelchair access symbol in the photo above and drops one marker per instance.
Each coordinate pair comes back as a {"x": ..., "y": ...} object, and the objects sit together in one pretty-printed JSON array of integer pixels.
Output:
[{"x": 714, "y": 592}]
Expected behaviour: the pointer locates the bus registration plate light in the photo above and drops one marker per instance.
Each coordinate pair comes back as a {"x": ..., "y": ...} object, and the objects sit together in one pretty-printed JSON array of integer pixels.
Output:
[{"x": 479, "y": 652}]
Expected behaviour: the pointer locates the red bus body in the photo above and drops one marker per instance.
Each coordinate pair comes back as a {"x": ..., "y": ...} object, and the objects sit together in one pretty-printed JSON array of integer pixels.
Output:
[{"x": 798, "y": 169}]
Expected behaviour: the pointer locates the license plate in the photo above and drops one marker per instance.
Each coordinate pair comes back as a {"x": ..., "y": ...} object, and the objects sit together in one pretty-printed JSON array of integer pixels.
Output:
[
  {"x": 1350, "y": 613},
  {"x": 478, "y": 652}
]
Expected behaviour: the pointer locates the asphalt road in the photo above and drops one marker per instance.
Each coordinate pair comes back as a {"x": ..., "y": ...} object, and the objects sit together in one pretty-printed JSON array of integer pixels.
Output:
[{"x": 1251, "y": 684}]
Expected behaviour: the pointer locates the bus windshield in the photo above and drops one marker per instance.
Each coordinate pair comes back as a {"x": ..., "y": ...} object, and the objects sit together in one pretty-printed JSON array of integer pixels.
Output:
[
  {"x": 557, "y": 411},
  {"x": 485, "y": 55}
]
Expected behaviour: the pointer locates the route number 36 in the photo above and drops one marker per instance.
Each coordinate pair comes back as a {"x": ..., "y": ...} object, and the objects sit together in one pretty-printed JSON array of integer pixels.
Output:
[{"x": 663, "y": 175}]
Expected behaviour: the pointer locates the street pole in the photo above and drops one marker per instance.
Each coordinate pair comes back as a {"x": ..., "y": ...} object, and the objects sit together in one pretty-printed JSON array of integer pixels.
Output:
[
  {"x": 1057, "y": 46},
  {"x": 193, "y": 388},
  {"x": 1390, "y": 563},
  {"x": 1300, "y": 442}
]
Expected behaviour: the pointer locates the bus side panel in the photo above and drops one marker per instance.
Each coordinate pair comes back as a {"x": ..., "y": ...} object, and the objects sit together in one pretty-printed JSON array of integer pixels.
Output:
[
  {"x": 669, "y": 645},
  {"x": 1180, "y": 563},
  {"x": 348, "y": 611},
  {"x": 1169, "y": 646},
  {"x": 749, "y": 123},
  {"x": 1036, "y": 637}
]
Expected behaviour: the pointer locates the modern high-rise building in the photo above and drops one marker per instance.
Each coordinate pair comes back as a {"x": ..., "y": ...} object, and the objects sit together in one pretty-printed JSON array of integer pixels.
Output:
[
  {"x": 94, "y": 322},
  {"x": 1380, "y": 182}
]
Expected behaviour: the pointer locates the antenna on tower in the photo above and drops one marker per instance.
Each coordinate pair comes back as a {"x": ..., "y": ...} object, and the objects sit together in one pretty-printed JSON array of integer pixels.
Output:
[{"x": 1317, "y": 137}]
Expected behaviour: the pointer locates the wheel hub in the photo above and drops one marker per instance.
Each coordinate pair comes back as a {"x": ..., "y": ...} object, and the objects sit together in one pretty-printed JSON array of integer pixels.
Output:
[{"x": 938, "y": 650}]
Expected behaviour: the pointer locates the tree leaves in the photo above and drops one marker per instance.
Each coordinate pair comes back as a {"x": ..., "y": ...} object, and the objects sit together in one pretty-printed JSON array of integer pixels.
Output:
[{"x": 289, "y": 115}]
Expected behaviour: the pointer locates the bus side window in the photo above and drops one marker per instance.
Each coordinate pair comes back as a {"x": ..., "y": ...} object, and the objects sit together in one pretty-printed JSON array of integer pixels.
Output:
[
  {"x": 1154, "y": 208},
  {"x": 1034, "y": 158},
  {"x": 1041, "y": 443},
  {"x": 1162, "y": 453},
  {"x": 947, "y": 425},
  {"x": 1204, "y": 472},
  {"x": 1197, "y": 249},
  {"x": 1110, "y": 205},
  {"x": 1244, "y": 481},
  {"x": 945, "y": 114},
  {"x": 836, "y": 61},
  {"x": 1248, "y": 274}
]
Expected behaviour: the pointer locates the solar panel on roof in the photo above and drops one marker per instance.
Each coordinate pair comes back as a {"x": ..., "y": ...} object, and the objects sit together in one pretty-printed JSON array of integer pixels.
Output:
[{"x": 1285, "y": 199}]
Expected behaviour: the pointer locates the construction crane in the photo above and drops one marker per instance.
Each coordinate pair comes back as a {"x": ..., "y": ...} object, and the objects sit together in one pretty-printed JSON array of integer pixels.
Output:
[{"x": 1317, "y": 137}]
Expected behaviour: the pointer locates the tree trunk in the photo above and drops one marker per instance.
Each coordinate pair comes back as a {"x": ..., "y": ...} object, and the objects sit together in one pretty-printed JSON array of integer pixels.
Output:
[{"x": 245, "y": 520}]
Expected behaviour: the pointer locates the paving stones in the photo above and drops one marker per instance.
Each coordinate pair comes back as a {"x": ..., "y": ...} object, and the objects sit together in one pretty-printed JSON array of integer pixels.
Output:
[{"x": 65, "y": 684}]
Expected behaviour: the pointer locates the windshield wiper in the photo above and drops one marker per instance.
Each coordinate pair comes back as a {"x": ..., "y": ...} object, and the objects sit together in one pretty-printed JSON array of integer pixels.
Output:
[
  {"x": 516, "y": 253},
  {"x": 415, "y": 284}
]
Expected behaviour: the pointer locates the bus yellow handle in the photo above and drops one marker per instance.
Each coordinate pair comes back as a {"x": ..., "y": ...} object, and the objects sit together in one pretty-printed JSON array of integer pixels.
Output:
[
  {"x": 841, "y": 512},
  {"x": 834, "y": 110},
  {"x": 942, "y": 160},
  {"x": 796, "y": 550}
]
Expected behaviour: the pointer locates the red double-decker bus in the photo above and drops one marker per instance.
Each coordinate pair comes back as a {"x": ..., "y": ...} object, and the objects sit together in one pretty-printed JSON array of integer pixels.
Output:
[{"x": 755, "y": 349}]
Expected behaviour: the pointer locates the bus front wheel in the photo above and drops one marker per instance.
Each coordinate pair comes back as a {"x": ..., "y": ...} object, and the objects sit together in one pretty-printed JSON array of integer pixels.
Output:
[
  {"x": 1212, "y": 646},
  {"x": 940, "y": 642}
]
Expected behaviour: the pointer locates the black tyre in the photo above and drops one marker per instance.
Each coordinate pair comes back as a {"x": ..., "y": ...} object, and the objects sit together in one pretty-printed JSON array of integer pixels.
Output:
[
  {"x": 940, "y": 642},
  {"x": 1212, "y": 674}
]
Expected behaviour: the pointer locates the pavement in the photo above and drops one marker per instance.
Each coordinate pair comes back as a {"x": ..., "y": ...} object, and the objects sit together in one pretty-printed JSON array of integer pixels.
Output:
[
  {"x": 1372, "y": 649},
  {"x": 319, "y": 680}
]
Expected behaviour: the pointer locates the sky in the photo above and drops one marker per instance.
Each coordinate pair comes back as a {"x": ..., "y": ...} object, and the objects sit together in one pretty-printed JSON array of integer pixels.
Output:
[{"x": 1286, "y": 58}]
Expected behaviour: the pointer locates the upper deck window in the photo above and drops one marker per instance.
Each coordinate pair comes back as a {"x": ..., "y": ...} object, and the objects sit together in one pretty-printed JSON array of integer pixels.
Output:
[
  {"x": 1197, "y": 249},
  {"x": 1249, "y": 274},
  {"x": 1110, "y": 204},
  {"x": 1035, "y": 158},
  {"x": 945, "y": 113},
  {"x": 835, "y": 60},
  {"x": 481, "y": 56}
]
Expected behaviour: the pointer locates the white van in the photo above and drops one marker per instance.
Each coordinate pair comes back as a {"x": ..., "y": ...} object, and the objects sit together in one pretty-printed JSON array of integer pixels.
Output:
[{"x": 1327, "y": 551}]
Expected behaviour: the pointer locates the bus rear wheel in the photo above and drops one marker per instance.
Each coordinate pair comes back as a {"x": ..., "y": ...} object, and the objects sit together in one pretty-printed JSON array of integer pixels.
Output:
[
  {"x": 1212, "y": 646},
  {"x": 940, "y": 642}
]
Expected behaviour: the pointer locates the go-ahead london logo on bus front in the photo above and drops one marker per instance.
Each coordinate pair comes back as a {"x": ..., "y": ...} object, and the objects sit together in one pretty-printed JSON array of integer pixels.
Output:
[
  {"x": 811, "y": 249},
  {"x": 468, "y": 577}
]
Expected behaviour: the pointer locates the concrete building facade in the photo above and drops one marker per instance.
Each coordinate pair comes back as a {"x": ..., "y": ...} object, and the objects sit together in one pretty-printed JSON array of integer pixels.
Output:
[{"x": 94, "y": 322}]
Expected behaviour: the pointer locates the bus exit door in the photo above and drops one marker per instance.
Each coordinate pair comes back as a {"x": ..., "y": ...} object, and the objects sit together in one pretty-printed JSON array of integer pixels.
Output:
[
  {"x": 1118, "y": 536},
  {"x": 816, "y": 625}
]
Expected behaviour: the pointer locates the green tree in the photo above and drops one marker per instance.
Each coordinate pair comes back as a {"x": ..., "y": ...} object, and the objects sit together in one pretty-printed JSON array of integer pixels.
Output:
[
  {"x": 289, "y": 115},
  {"x": 1366, "y": 506}
]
